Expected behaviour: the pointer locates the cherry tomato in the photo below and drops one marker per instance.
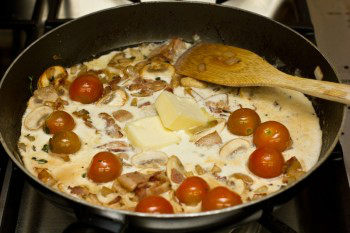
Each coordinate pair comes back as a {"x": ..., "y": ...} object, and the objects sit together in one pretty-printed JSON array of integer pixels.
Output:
[
  {"x": 154, "y": 204},
  {"x": 65, "y": 142},
  {"x": 192, "y": 190},
  {"x": 243, "y": 122},
  {"x": 272, "y": 134},
  {"x": 266, "y": 162},
  {"x": 220, "y": 197},
  {"x": 59, "y": 121},
  {"x": 86, "y": 89},
  {"x": 104, "y": 167}
]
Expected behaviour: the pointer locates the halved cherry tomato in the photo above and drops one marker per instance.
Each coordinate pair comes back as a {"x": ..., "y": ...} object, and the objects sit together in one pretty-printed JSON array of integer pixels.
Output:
[
  {"x": 154, "y": 204},
  {"x": 220, "y": 197},
  {"x": 86, "y": 89},
  {"x": 65, "y": 142},
  {"x": 104, "y": 167},
  {"x": 59, "y": 121},
  {"x": 272, "y": 134},
  {"x": 192, "y": 190},
  {"x": 266, "y": 162},
  {"x": 243, "y": 122}
]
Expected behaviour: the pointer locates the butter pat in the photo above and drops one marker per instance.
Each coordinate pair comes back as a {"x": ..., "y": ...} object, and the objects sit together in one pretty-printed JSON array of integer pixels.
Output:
[
  {"x": 179, "y": 113},
  {"x": 149, "y": 134}
]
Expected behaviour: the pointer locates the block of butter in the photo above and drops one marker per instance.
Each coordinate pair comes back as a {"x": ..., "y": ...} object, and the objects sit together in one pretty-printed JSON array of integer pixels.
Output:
[
  {"x": 149, "y": 134},
  {"x": 179, "y": 113}
]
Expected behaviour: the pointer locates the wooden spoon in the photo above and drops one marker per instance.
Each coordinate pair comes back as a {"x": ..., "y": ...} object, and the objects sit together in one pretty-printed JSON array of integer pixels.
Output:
[{"x": 231, "y": 66}]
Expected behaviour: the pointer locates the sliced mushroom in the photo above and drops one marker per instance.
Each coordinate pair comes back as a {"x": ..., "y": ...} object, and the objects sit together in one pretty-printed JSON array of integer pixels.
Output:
[
  {"x": 158, "y": 69},
  {"x": 55, "y": 75},
  {"x": 122, "y": 115},
  {"x": 116, "y": 98},
  {"x": 41, "y": 95},
  {"x": 118, "y": 188},
  {"x": 157, "y": 184},
  {"x": 292, "y": 170},
  {"x": 232, "y": 146},
  {"x": 157, "y": 85},
  {"x": 209, "y": 128},
  {"x": 247, "y": 180},
  {"x": 199, "y": 169},
  {"x": 129, "y": 181},
  {"x": 209, "y": 140},
  {"x": 36, "y": 118},
  {"x": 262, "y": 189},
  {"x": 108, "y": 118},
  {"x": 218, "y": 103},
  {"x": 215, "y": 169},
  {"x": 191, "y": 82},
  {"x": 149, "y": 159},
  {"x": 79, "y": 190},
  {"x": 115, "y": 146},
  {"x": 45, "y": 176},
  {"x": 170, "y": 50},
  {"x": 175, "y": 171},
  {"x": 112, "y": 72}
]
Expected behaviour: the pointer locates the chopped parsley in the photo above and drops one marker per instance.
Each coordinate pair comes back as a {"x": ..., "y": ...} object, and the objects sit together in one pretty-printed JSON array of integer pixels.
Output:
[
  {"x": 158, "y": 78},
  {"x": 40, "y": 161},
  {"x": 45, "y": 148},
  {"x": 34, "y": 148},
  {"x": 83, "y": 175}
]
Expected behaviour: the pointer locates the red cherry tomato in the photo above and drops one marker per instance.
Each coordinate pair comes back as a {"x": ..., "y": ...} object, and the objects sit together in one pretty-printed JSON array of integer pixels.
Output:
[
  {"x": 192, "y": 190},
  {"x": 243, "y": 122},
  {"x": 272, "y": 134},
  {"x": 86, "y": 89},
  {"x": 220, "y": 197},
  {"x": 104, "y": 167},
  {"x": 266, "y": 162},
  {"x": 154, "y": 204},
  {"x": 65, "y": 142},
  {"x": 59, "y": 121}
]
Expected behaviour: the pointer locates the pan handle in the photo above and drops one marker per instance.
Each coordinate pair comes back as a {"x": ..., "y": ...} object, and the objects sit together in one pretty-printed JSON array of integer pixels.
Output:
[
  {"x": 273, "y": 224},
  {"x": 116, "y": 224}
]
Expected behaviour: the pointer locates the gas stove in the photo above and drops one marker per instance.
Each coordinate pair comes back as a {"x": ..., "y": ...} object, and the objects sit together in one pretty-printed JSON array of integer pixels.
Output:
[{"x": 317, "y": 207}]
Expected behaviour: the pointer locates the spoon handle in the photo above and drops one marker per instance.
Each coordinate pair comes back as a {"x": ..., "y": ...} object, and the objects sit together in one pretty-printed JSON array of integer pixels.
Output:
[{"x": 323, "y": 89}]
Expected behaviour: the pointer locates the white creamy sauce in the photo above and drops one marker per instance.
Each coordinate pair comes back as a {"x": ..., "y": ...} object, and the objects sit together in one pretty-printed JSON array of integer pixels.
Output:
[{"x": 291, "y": 108}]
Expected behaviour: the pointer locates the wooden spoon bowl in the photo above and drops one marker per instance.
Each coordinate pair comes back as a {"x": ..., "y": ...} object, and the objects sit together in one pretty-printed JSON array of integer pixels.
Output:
[{"x": 232, "y": 66}]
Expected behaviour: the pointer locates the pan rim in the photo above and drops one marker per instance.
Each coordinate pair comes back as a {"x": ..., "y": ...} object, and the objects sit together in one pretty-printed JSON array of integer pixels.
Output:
[{"x": 170, "y": 216}]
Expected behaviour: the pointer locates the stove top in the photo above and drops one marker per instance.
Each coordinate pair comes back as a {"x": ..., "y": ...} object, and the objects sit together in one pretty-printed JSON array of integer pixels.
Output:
[{"x": 317, "y": 207}]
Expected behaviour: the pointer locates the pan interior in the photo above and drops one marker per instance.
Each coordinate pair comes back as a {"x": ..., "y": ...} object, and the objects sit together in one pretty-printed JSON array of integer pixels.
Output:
[{"x": 120, "y": 27}]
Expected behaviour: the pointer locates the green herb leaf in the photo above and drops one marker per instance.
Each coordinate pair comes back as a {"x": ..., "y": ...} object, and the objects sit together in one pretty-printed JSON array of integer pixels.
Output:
[
  {"x": 45, "y": 148},
  {"x": 42, "y": 161},
  {"x": 158, "y": 78},
  {"x": 46, "y": 129},
  {"x": 34, "y": 148},
  {"x": 83, "y": 175}
]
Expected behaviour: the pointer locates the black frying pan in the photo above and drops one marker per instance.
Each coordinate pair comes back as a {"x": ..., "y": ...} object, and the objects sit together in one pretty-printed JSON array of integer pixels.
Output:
[{"x": 106, "y": 30}]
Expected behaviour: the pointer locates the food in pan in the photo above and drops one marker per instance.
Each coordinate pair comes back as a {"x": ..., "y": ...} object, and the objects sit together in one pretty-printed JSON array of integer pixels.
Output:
[{"x": 125, "y": 131}]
